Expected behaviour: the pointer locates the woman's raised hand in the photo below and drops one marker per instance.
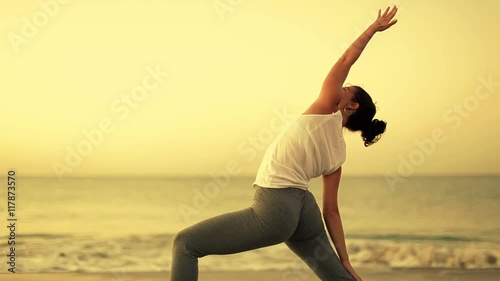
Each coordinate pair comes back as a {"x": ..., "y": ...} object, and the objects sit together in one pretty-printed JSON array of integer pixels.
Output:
[{"x": 385, "y": 21}]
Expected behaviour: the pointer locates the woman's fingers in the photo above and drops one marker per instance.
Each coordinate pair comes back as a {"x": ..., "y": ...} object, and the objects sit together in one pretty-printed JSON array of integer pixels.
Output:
[
  {"x": 393, "y": 12},
  {"x": 386, "y": 11},
  {"x": 385, "y": 20},
  {"x": 390, "y": 14}
]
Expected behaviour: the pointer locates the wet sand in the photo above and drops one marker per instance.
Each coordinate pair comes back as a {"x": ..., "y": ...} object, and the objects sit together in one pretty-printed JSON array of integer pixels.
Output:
[{"x": 367, "y": 275}]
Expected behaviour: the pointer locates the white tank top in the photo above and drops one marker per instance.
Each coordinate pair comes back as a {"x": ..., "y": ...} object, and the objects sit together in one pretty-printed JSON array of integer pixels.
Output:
[{"x": 309, "y": 146}]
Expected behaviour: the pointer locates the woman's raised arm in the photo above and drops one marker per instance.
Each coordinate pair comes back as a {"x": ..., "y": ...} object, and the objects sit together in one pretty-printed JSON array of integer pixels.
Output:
[{"x": 331, "y": 90}]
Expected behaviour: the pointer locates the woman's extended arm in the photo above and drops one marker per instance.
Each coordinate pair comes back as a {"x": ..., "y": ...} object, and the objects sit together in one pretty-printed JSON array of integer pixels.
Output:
[
  {"x": 332, "y": 86},
  {"x": 331, "y": 215}
]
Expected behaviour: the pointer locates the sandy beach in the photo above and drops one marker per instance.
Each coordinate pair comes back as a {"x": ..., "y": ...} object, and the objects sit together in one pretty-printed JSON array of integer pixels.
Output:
[{"x": 367, "y": 275}]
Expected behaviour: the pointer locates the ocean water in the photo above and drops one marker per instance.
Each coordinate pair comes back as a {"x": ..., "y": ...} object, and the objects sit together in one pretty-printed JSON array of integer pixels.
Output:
[{"x": 125, "y": 225}]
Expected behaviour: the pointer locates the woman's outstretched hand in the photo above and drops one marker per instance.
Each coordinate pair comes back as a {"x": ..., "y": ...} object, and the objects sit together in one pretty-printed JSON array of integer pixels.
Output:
[
  {"x": 385, "y": 21},
  {"x": 348, "y": 267}
]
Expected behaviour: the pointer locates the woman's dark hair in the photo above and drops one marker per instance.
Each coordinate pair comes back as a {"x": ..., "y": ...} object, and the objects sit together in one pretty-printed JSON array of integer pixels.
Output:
[{"x": 361, "y": 119}]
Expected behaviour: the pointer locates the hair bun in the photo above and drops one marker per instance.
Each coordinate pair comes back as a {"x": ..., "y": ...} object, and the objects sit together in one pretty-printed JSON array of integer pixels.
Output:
[{"x": 372, "y": 133}]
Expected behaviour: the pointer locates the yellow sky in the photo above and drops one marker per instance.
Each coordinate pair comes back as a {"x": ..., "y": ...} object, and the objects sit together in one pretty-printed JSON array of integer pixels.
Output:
[{"x": 162, "y": 88}]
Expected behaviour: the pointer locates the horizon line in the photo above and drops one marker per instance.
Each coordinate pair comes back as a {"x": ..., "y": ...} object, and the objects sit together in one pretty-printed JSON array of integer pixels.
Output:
[{"x": 241, "y": 176}]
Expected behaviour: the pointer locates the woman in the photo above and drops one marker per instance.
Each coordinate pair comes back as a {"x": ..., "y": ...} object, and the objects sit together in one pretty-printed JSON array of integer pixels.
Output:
[{"x": 283, "y": 210}]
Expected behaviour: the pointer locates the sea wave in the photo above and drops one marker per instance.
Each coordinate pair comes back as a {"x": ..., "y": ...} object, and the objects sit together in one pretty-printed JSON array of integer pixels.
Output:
[
  {"x": 39, "y": 253},
  {"x": 393, "y": 254}
]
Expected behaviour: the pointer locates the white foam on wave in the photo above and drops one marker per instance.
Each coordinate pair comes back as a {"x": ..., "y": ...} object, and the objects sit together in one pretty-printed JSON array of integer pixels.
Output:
[
  {"x": 471, "y": 255},
  {"x": 152, "y": 253}
]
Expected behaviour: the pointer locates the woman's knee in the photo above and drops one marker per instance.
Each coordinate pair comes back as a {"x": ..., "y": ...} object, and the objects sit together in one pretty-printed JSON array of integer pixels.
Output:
[{"x": 182, "y": 241}]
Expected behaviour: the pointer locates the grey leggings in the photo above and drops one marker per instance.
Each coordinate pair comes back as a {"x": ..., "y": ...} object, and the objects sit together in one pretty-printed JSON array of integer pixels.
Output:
[{"x": 276, "y": 215}]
